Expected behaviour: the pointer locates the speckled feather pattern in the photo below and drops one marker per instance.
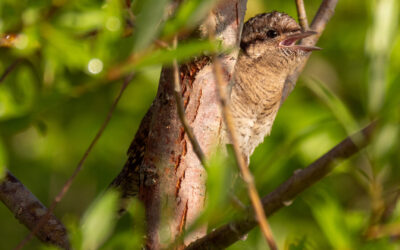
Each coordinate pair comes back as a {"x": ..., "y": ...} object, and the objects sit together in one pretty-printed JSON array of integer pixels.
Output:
[{"x": 259, "y": 77}]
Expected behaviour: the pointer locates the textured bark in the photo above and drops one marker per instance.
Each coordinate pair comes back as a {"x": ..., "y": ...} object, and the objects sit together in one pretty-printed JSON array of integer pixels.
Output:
[
  {"x": 29, "y": 211},
  {"x": 173, "y": 185}
]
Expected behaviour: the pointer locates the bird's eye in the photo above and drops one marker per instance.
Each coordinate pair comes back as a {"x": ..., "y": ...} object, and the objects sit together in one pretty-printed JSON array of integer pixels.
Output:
[{"x": 272, "y": 33}]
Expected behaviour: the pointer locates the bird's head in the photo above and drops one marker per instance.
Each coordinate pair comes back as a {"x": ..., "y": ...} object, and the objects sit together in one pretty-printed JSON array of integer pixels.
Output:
[{"x": 273, "y": 34}]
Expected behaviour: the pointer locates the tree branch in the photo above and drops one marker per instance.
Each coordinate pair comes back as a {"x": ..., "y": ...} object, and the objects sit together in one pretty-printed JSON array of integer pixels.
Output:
[
  {"x": 324, "y": 14},
  {"x": 228, "y": 234},
  {"x": 29, "y": 211},
  {"x": 181, "y": 112},
  {"x": 301, "y": 13},
  {"x": 173, "y": 188}
]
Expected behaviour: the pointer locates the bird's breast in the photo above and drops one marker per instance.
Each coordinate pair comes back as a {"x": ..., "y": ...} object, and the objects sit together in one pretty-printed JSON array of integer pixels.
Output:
[{"x": 255, "y": 99}]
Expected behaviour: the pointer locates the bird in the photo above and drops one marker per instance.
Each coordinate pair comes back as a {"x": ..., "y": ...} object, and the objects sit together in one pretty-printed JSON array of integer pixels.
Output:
[{"x": 268, "y": 53}]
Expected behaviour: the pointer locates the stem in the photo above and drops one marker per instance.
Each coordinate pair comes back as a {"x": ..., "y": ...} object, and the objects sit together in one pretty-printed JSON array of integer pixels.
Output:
[
  {"x": 181, "y": 112},
  {"x": 301, "y": 13}
]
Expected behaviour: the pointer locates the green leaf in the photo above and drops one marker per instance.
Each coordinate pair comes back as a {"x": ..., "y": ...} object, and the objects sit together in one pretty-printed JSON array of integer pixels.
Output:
[
  {"x": 331, "y": 219},
  {"x": 298, "y": 244},
  {"x": 335, "y": 104},
  {"x": 81, "y": 21},
  {"x": 220, "y": 179},
  {"x": 189, "y": 14},
  {"x": 99, "y": 221},
  {"x": 15, "y": 124},
  {"x": 132, "y": 236},
  {"x": 148, "y": 22},
  {"x": 71, "y": 222},
  {"x": 65, "y": 48},
  {"x": 378, "y": 43},
  {"x": 113, "y": 17},
  {"x": 183, "y": 52},
  {"x": 3, "y": 160},
  {"x": 49, "y": 247}
]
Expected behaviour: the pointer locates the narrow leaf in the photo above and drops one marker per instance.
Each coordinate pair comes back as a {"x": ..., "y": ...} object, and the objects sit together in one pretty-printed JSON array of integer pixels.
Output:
[
  {"x": 99, "y": 221},
  {"x": 148, "y": 22}
]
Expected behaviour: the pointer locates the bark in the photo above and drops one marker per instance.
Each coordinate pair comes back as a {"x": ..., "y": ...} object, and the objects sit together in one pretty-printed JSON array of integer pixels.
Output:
[
  {"x": 173, "y": 188},
  {"x": 29, "y": 211}
]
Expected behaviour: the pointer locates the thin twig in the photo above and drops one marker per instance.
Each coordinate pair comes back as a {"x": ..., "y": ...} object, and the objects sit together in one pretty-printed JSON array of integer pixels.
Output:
[
  {"x": 9, "y": 70},
  {"x": 161, "y": 43},
  {"x": 181, "y": 112},
  {"x": 246, "y": 174},
  {"x": 301, "y": 13},
  {"x": 27, "y": 208},
  {"x": 324, "y": 14},
  {"x": 228, "y": 234},
  {"x": 68, "y": 183}
]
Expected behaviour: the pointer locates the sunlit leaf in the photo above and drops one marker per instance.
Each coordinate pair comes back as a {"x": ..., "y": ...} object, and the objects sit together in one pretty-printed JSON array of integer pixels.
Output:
[
  {"x": 113, "y": 20},
  {"x": 331, "y": 220},
  {"x": 220, "y": 178},
  {"x": 66, "y": 49},
  {"x": 82, "y": 21},
  {"x": 133, "y": 237},
  {"x": 71, "y": 222},
  {"x": 335, "y": 104},
  {"x": 379, "y": 40},
  {"x": 316, "y": 145},
  {"x": 99, "y": 220},
  {"x": 188, "y": 15},
  {"x": 386, "y": 139},
  {"x": 147, "y": 23},
  {"x": 183, "y": 52}
]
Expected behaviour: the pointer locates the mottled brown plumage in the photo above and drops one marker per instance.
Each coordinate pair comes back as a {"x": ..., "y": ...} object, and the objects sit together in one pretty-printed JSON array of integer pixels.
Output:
[{"x": 268, "y": 53}]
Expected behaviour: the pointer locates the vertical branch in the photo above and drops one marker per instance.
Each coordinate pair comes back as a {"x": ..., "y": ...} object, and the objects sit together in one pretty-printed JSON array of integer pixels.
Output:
[
  {"x": 322, "y": 17},
  {"x": 78, "y": 168},
  {"x": 173, "y": 189},
  {"x": 301, "y": 13},
  {"x": 181, "y": 111},
  {"x": 246, "y": 174}
]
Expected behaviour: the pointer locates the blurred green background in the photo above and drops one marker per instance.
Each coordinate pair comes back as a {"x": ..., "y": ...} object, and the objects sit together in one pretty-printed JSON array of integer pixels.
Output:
[{"x": 57, "y": 96}]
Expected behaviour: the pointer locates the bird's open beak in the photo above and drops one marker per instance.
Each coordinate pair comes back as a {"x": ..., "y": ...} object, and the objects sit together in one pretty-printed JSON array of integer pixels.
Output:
[{"x": 290, "y": 41}]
